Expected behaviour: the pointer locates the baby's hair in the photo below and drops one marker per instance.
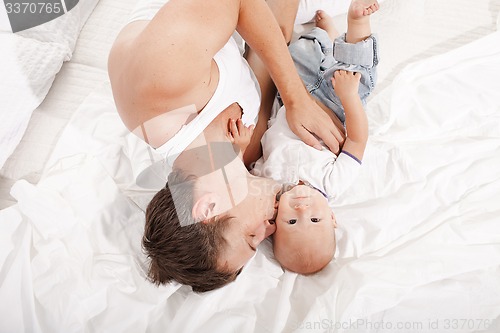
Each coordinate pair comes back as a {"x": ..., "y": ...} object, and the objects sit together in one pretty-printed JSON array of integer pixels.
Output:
[{"x": 296, "y": 258}]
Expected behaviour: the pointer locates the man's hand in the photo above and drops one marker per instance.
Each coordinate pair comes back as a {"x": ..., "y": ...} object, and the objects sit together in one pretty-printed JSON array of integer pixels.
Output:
[
  {"x": 239, "y": 134},
  {"x": 309, "y": 122}
]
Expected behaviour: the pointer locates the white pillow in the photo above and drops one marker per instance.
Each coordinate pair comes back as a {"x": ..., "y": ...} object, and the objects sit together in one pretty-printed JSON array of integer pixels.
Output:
[
  {"x": 28, "y": 69},
  {"x": 31, "y": 54},
  {"x": 62, "y": 25}
]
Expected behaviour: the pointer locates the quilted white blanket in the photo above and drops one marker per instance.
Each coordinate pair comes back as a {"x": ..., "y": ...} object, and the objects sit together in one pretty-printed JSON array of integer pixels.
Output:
[
  {"x": 28, "y": 68},
  {"x": 419, "y": 239},
  {"x": 31, "y": 57}
]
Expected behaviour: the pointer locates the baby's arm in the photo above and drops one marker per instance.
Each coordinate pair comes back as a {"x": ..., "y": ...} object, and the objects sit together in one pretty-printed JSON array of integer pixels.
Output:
[
  {"x": 239, "y": 134},
  {"x": 346, "y": 87}
]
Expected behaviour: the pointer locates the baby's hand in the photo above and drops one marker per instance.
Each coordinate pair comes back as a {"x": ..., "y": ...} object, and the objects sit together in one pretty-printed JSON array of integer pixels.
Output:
[
  {"x": 346, "y": 84},
  {"x": 239, "y": 134}
]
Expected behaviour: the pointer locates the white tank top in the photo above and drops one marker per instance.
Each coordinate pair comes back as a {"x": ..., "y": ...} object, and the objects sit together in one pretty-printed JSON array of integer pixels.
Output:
[{"x": 237, "y": 84}]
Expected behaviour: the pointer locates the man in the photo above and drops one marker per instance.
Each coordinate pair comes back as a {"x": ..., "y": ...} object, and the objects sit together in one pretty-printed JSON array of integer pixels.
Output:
[{"x": 178, "y": 78}]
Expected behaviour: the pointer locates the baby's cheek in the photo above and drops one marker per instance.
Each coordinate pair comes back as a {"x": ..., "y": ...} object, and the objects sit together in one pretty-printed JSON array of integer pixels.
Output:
[{"x": 281, "y": 233}]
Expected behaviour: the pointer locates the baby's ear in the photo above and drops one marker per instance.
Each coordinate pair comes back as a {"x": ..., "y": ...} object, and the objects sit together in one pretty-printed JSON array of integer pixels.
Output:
[
  {"x": 204, "y": 207},
  {"x": 334, "y": 220}
]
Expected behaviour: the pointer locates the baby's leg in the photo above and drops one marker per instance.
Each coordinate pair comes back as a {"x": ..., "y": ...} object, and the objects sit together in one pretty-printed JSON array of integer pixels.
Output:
[
  {"x": 325, "y": 22},
  {"x": 358, "y": 20}
]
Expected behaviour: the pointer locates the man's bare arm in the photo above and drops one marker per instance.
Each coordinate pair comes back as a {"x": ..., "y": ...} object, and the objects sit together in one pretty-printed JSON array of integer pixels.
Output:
[
  {"x": 178, "y": 45},
  {"x": 285, "y": 12},
  {"x": 303, "y": 114}
]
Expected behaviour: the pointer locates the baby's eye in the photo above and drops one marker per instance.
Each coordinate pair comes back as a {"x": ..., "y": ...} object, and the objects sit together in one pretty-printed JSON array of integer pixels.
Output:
[
  {"x": 292, "y": 221},
  {"x": 314, "y": 219}
]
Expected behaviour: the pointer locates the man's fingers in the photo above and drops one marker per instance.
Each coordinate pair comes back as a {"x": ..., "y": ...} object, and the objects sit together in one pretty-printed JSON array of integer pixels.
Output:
[
  {"x": 327, "y": 134},
  {"x": 335, "y": 142},
  {"x": 308, "y": 138},
  {"x": 338, "y": 134}
]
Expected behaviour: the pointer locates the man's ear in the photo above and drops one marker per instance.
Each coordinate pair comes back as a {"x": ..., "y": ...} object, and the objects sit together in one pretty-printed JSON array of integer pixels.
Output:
[{"x": 204, "y": 207}]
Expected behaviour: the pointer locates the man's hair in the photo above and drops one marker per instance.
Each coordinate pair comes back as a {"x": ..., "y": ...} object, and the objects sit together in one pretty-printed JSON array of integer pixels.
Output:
[{"x": 186, "y": 254}]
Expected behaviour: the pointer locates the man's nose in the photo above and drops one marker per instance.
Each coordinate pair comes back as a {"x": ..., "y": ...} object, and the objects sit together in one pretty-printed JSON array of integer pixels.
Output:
[
  {"x": 265, "y": 230},
  {"x": 269, "y": 229}
]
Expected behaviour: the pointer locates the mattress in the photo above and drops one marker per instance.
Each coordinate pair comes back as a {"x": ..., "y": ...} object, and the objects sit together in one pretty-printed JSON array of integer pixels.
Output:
[{"x": 419, "y": 247}]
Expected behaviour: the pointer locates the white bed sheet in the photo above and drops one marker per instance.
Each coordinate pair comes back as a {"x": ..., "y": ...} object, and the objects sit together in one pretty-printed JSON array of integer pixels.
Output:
[
  {"x": 418, "y": 237},
  {"x": 73, "y": 83}
]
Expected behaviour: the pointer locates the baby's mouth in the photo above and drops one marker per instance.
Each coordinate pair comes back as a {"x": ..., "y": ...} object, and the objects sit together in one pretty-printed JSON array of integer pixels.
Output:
[
  {"x": 272, "y": 220},
  {"x": 284, "y": 188}
]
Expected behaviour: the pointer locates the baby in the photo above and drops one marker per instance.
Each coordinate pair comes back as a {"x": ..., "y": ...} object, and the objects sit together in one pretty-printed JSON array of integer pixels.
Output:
[{"x": 339, "y": 75}]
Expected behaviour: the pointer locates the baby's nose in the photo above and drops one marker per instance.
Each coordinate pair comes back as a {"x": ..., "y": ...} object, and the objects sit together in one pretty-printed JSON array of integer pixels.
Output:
[{"x": 301, "y": 206}]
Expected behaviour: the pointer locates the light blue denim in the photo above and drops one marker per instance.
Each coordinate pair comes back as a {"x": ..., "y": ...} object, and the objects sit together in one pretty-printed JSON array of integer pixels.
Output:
[{"x": 316, "y": 58}]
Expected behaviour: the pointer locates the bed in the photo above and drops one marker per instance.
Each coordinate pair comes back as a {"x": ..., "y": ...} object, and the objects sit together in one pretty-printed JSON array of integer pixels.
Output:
[{"x": 418, "y": 236}]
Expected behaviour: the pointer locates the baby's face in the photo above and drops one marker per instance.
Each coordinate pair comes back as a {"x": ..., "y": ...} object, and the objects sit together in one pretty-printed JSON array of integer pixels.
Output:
[
  {"x": 305, "y": 224},
  {"x": 301, "y": 207}
]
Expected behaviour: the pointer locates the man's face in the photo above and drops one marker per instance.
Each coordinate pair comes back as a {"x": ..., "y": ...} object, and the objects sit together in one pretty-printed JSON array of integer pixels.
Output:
[{"x": 251, "y": 223}]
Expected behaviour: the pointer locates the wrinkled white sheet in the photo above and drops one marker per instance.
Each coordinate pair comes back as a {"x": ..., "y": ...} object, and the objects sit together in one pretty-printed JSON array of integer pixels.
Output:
[{"x": 418, "y": 236}]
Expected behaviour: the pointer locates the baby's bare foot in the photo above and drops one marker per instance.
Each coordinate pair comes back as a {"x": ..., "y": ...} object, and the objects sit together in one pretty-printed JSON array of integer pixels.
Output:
[
  {"x": 361, "y": 8},
  {"x": 325, "y": 22}
]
